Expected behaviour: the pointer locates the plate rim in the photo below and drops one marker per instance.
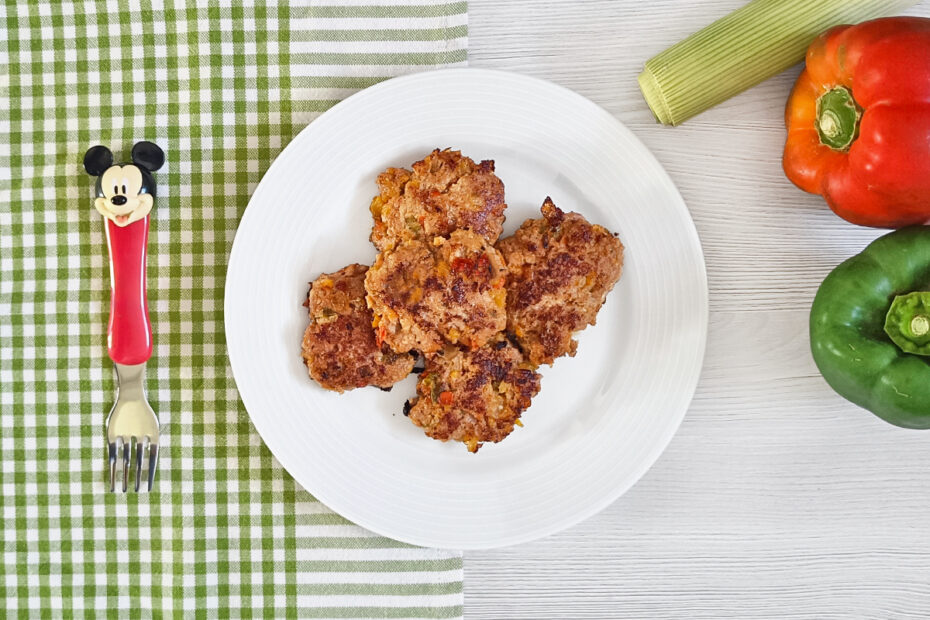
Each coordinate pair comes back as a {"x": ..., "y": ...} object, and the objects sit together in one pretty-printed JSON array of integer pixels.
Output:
[{"x": 605, "y": 499}]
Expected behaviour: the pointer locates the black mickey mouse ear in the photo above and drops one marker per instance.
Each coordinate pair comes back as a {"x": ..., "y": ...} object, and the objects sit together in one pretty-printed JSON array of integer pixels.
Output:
[
  {"x": 148, "y": 155},
  {"x": 97, "y": 159}
]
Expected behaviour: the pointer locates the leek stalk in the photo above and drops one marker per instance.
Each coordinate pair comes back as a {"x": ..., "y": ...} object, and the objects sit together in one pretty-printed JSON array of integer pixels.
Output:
[{"x": 742, "y": 49}]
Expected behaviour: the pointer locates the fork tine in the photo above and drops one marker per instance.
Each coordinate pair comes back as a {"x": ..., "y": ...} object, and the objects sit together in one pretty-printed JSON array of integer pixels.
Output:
[
  {"x": 112, "y": 466},
  {"x": 153, "y": 462},
  {"x": 126, "y": 447},
  {"x": 140, "y": 446},
  {"x": 132, "y": 421}
]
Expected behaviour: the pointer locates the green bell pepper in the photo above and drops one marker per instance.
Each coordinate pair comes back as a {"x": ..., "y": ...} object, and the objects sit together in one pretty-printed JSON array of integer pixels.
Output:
[{"x": 870, "y": 328}]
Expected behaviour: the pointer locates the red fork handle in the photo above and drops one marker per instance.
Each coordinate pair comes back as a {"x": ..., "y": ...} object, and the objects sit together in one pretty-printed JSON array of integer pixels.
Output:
[{"x": 129, "y": 334}]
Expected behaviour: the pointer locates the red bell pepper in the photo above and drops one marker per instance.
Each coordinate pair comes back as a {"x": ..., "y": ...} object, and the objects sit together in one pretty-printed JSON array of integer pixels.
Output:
[{"x": 858, "y": 122}]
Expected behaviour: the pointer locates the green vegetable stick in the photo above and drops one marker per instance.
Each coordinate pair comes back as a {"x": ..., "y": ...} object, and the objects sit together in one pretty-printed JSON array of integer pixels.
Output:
[{"x": 742, "y": 49}]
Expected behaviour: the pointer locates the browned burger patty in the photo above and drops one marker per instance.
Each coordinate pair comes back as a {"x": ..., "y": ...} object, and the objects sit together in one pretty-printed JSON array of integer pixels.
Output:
[
  {"x": 560, "y": 270},
  {"x": 444, "y": 192},
  {"x": 339, "y": 345},
  {"x": 425, "y": 294},
  {"x": 474, "y": 396}
]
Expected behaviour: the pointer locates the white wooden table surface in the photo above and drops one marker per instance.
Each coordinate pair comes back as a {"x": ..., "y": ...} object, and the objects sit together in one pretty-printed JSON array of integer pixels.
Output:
[{"x": 777, "y": 498}]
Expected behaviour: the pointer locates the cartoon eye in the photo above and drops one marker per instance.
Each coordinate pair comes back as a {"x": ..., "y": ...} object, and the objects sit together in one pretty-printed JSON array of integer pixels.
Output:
[
  {"x": 115, "y": 190},
  {"x": 124, "y": 189}
]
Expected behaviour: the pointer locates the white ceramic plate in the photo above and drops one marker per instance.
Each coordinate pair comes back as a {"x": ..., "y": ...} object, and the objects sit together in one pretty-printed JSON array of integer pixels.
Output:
[{"x": 602, "y": 417}]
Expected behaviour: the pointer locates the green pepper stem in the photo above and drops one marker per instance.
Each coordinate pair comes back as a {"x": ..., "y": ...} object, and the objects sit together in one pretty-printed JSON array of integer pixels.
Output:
[
  {"x": 908, "y": 322},
  {"x": 838, "y": 118}
]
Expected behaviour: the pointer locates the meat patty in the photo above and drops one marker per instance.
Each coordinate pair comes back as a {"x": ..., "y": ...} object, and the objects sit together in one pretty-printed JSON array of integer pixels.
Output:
[
  {"x": 444, "y": 192},
  {"x": 339, "y": 345},
  {"x": 474, "y": 396},
  {"x": 425, "y": 294},
  {"x": 560, "y": 270}
]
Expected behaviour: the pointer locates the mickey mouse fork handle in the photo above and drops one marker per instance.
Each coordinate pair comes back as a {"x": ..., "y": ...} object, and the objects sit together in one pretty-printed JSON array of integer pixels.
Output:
[{"x": 129, "y": 333}]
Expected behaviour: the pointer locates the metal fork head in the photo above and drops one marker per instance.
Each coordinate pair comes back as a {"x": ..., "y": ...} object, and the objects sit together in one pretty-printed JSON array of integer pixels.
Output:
[{"x": 132, "y": 423}]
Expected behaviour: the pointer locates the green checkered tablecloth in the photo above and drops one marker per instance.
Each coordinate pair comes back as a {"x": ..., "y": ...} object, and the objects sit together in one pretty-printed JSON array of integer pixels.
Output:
[{"x": 222, "y": 89}]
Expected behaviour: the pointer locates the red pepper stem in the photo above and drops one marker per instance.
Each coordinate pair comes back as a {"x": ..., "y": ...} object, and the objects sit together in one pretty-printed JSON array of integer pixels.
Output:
[{"x": 838, "y": 117}]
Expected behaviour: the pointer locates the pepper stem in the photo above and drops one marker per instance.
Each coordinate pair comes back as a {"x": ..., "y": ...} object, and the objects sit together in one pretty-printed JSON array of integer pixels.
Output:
[
  {"x": 908, "y": 322},
  {"x": 838, "y": 118}
]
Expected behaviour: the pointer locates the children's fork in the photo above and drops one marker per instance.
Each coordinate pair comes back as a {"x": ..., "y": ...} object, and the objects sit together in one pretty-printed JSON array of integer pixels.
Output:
[{"x": 125, "y": 194}]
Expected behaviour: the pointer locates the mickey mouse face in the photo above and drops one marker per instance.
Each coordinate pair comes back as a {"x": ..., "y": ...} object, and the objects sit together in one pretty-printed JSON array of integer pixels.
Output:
[
  {"x": 124, "y": 199},
  {"x": 125, "y": 192}
]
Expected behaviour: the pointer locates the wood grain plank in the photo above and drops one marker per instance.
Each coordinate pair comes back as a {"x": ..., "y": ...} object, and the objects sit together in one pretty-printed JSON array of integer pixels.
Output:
[{"x": 777, "y": 498}]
